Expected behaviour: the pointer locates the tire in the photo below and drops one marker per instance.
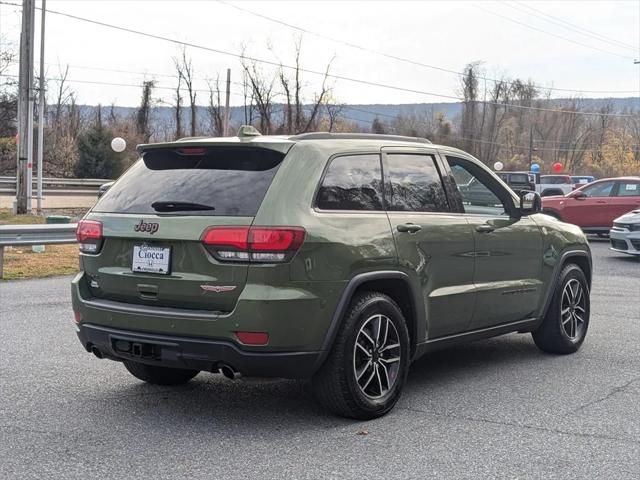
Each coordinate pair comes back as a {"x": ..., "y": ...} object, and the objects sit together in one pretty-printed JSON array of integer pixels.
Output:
[
  {"x": 159, "y": 375},
  {"x": 336, "y": 385},
  {"x": 563, "y": 333}
]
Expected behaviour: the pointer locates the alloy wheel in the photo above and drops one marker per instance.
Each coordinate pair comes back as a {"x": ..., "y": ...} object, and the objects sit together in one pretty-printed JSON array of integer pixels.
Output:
[
  {"x": 376, "y": 356},
  {"x": 573, "y": 309}
]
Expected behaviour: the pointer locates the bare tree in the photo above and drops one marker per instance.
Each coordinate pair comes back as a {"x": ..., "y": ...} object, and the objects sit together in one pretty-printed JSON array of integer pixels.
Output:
[
  {"x": 63, "y": 97},
  {"x": 470, "y": 105},
  {"x": 261, "y": 91},
  {"x": 249, "y": 104},
  {"x": 294, "y": 118},
  {"x": 184, "y": 67},
  {"x": 178, "y": 107},
  {"x": 215, "y": 108},
  {"x": 143, "y": 113},
  {"x": 333, "y": 110}
]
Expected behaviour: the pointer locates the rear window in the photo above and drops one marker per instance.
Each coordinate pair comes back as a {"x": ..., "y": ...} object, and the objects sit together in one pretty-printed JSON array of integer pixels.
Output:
[
  {"x": 519, "y": 178},
  {"x": 231, "y": 180},
  {"x": 555, "y": 180}
]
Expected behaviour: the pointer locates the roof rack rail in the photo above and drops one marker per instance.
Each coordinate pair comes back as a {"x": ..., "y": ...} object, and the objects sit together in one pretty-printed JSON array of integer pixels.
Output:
[{"x": 356, "y": 136}]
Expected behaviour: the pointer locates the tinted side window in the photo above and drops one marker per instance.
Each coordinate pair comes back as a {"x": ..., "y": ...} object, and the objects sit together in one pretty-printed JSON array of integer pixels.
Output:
[
  {"x": 476, "y": 193},
  {"x": 414, "y": 184},
  {"x": 519, "y": 178},
  {"x": 628, "y": 189},
  {"x": 602, "y": 189},
  {"x": 352, "y": 182}
]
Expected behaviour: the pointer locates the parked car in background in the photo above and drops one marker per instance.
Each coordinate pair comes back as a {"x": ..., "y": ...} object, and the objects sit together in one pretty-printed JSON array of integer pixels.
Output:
[
  {"x": 594, "y": 206},
  {"x": 625, "y": 233},
  {"x": 518, "y": 181},
  {"x": 554, "y": 185},
  {"x": 580, "y": 180}
]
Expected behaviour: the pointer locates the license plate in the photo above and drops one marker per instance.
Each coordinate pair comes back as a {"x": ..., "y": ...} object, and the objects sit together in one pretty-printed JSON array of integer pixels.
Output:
[{"x": 151, "y": 259}]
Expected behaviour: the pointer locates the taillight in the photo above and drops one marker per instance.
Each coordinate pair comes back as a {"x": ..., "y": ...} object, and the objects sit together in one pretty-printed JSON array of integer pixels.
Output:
[
  {"x": 253, "y": 338},
  {"x": 253, "y": 244},
  {"x": 89, "y": 236},
  {"x": 191, "y": 151}
]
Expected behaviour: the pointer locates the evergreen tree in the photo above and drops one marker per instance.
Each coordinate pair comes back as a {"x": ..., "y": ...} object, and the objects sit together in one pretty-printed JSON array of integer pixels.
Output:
[{"x": 96, "y": 159}]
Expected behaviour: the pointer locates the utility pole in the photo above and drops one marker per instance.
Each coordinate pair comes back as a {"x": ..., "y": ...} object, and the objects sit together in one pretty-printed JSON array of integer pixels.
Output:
[
  {"x": 530, "y": 142},
  {"x": 32, "y": 99},
  {"x": 25, "y": 84},
  {"x": 41, "y": 98},
  {"x": 225, "y": 129}
]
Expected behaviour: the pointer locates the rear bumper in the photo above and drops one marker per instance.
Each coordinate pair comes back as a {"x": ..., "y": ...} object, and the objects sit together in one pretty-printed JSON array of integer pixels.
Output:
[
  {"x": 297, "y": 319},
  {"x": 194, "y": 353}
]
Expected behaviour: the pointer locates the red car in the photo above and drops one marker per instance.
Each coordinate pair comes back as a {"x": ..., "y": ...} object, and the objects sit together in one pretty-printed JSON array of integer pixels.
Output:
[{"x": 594, "y": 206}]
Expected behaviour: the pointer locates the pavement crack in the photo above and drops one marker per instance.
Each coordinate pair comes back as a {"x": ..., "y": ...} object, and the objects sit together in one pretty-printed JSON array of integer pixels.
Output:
[
  {"x": 611, "y": 393},
  {"x": 556, "y": 431}
]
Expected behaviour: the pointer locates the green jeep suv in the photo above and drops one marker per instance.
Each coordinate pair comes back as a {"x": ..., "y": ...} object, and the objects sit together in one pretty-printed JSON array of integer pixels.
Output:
[{"x": 336, "y": 257}]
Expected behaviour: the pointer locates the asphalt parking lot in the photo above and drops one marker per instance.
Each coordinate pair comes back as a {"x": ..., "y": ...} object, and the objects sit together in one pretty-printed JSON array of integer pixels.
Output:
[{"x": 495, "y": 409}]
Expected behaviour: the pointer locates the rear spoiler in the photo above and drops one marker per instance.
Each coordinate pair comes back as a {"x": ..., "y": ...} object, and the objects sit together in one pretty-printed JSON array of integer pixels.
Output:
[{"x": 279, "y": 144}]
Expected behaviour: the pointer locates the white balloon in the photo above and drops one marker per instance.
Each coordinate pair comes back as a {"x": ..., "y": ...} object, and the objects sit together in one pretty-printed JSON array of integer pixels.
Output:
[
  {"x": 498, "y": 166},
  {"x": 118, "y": 144}
]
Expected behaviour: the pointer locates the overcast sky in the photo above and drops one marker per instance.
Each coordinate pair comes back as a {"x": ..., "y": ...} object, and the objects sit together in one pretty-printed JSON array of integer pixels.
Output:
[{"x": 576, "y": 45}]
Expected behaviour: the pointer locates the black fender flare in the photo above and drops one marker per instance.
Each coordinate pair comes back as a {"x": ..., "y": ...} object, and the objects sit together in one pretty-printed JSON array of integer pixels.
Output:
[
  {"x": 419, "y": 323},
  {"x": 555, "y": 276}
]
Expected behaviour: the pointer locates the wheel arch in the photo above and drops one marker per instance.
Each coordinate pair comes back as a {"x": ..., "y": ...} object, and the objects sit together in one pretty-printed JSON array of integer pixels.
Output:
[
  {"x": 396, "y": 285},
  {"x": 582, "y": 258},
  {"x": 552, "y": 213}
]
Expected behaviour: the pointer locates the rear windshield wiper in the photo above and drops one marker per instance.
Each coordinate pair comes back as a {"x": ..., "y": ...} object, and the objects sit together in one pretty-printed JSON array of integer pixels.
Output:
[{"x": 179, "y": 206}]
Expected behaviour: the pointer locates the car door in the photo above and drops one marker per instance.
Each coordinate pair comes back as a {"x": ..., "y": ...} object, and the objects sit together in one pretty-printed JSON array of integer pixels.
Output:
[
  {"x": 625, "y": 199},
  {"x": 435, "y": 246},
  {"x": 508, "y": 250},
  {"x": 592, "y": 208}
]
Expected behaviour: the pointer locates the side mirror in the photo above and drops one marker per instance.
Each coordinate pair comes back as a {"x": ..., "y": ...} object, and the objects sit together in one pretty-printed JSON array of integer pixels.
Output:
[
  {"x": 530, "y": 202},
  {"x": 578, "y": 195}
]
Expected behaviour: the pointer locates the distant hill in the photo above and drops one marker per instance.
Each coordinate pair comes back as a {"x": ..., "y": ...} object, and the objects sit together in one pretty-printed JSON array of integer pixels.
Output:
[{"x": 364, "y": 114}]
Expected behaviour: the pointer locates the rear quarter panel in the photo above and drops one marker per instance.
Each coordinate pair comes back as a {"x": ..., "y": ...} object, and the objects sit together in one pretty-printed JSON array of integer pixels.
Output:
[{"x": 338, "y": 244}]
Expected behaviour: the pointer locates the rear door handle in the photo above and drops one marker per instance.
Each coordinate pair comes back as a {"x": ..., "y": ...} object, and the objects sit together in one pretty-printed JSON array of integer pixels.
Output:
[
  {"x": 485, "y": 228},
  {"x": 409, "y": 228},
  {"x": 601, "y": 201}
]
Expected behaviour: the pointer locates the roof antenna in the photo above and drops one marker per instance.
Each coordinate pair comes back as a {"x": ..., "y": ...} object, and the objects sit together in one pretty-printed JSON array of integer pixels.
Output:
[{"x": 248, "y": 131}]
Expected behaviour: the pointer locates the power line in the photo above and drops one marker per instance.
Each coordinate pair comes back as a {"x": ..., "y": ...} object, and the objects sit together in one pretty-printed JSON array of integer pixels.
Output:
[
  {"x": 344, "y": 117},
  {"x": 118, "y": 84},
  {"x": 396, "y": 57},
  {"x": 531, "y": 27},
  {"x": 314, "y": 72},
  {"x": 576, "y": 28}
]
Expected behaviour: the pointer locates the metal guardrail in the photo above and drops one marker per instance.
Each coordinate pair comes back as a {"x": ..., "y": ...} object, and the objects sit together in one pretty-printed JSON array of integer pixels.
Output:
[
  {"x": 20, "y": 235},
  {"x": 50, "y": 185}
]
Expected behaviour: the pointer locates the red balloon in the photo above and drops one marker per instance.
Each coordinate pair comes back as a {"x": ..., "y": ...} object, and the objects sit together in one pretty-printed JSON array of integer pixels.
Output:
[{"x": 557, "y": 167}]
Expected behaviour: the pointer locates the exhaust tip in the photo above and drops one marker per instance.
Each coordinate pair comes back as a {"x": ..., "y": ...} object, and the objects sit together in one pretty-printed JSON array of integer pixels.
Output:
[
  {"x": 96, "y": 351},
  {"x": 229, "y": 372}
]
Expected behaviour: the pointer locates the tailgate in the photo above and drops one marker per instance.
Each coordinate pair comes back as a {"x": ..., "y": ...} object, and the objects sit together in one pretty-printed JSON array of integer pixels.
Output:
[{"x": 194, "y": 280}]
